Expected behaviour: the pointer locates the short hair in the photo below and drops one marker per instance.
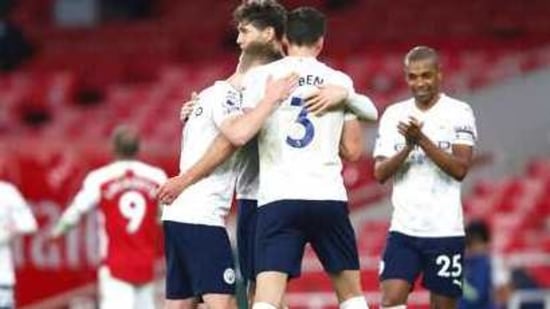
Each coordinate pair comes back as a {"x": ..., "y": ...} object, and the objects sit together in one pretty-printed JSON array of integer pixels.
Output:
[
  {"x": 477, "y": 230},
  {"x": 305, "y": 26},
  {"x": 259, "y": 52},
  {"x": 261, "y": 15},
  {"x": 125, "y": 142},
  {"x": 419, "y": 53}
]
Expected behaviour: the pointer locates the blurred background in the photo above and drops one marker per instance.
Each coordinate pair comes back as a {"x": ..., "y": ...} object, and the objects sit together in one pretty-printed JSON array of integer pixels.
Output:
[{"x": 70, "y": 70}]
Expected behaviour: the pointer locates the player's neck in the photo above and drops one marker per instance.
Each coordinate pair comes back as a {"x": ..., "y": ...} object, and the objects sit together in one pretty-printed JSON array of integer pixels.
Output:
[
  {"x": 424, "y": 106},
  {"x": 302, "y": 51}
]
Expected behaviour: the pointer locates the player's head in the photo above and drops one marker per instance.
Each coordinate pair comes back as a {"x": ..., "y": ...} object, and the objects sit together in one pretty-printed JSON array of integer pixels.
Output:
[
  {"x": 478, "y": 236},
  {"x": 257, "y": 54},
  {"x": 305, "y": 27},
  {"x": 125, "y": 142},
  {"x": 422, "y": 73},
  {"x": 260, "y": 21}
]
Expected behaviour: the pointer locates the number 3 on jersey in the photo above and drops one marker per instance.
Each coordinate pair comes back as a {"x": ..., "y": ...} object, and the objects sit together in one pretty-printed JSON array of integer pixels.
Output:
[
  {"x": 132, "y": 206},
  {"x": 309, "y": 130}
]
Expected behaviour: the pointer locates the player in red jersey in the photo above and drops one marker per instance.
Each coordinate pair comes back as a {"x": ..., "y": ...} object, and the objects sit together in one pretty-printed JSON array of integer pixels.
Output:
[{"x": 124, "y": 192}]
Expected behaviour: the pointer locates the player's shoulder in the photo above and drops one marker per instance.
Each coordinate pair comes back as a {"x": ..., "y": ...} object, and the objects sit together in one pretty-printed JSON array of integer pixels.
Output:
[
  {"x": 7, "y": 187},
  {"x": 154, "y": 170},
  {"x": 455, "y": 106},
  {"x": 398, "y": 108}
]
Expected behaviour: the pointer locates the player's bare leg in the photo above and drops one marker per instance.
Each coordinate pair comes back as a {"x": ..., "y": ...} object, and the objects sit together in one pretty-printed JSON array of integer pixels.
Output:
[
  {"x": 347, "y": 285},
  {"x": 270, "y": 288},
  {"x": 219, "y": 301},
  {"x": 189, "y": 303},
  {"x": 438, "y": 301},
  {"x": 251, "y": 293},
  {"x": 395, "y": 292}
]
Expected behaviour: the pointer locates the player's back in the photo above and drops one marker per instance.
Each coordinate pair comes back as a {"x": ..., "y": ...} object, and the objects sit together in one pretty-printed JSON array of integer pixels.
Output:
[
  {"x": 129, "y": 217},
  {"x": 299, "y": 153}
]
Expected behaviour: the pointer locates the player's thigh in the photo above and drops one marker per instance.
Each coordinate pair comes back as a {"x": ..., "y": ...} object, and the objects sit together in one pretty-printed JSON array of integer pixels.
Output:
[
  {"x": 114, "y": 293},
  {"x": 220, "y": 301},
  {"x": 178, "y": 285},
  {"x": 145, "y": 296},
  {"x": 280, "y": 240},
  {"x": 7, "y": 299},
  {"x": 246, "y": 234},
  {"x": 443, "y": 265},
  {"x": 331, "y": 236}
]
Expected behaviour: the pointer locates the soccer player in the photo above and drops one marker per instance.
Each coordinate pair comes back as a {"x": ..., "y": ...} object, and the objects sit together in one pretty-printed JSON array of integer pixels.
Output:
[
  {"x": 125, "y": 193},
  {"x": 16, "y": 218},
  {"x": 198, "y": 252},
  {"x": 426, "y": 145},
  {"x": 301, "y": 195}
]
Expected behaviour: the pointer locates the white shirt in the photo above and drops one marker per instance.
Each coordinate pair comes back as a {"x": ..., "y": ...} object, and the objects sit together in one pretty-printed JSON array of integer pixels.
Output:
[
  {"x": 426, "y": 201},
  {"x": 208, "y": 201},
  {"x": 299, "y": 153},
  {"x": 15, "y": 218}
]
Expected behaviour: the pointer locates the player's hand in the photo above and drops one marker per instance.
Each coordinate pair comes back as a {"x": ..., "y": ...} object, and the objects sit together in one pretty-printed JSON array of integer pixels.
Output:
[
  {"x": 327, "y": 98},
  {"x": 412, "y": 131},
  {"x": 170, "y": 190},
  {"x": 187, "y": 107},
  {"x": 278, "y": 90}
]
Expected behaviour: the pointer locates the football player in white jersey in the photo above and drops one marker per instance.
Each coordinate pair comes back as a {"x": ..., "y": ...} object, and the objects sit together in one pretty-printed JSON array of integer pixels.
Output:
[
  {"x": 425, "y": 144},
  {"x": 259, "y": 23},
  {"x": 198, "y": 252},
  {"x": 124, "y": 192},
  {"x": 16, "y": 218},
  {"x": 301, "y": 195}
]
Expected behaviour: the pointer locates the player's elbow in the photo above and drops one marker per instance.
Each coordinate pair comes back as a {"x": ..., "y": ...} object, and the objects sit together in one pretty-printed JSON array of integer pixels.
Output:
[
  {"x": 379, "y": 176},
  {"x": 460, "y": 174}
]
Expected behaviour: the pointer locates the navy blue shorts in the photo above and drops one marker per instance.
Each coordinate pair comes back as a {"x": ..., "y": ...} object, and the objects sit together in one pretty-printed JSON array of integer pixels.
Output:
[
  {"x": 440, "y": 260},
  {"x": 198, "y": 260},
  {"x": 284, "y": 227},
  {"x": 246, "y": 234}
]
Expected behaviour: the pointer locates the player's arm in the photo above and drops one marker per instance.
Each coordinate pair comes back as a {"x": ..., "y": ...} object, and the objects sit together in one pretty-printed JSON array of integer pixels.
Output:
[
  {"x": 386, "y": 167},
  {"x": 457, "y": 163},
  {"x": 84, "y": 201},
  {"x": 218, "y": 152},
  {"x": 388, "y": 158},
  {"x": 351, "y": 143},
  {"x": 242, "y": 128},
  {"x": 340, "y": 93},
  {"x": 20, "y": 220}
]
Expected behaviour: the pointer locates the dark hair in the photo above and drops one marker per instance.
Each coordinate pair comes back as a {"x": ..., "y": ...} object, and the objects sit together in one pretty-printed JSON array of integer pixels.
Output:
[
  {"x": 125, "y": 142},
  {"x": 305, "y": 26},
  {"x": 421, "y": 53},
  {"x": 259, "y": 52},
  {"x": 261, "y": 15},
  {"x": 477, "y": 230}
]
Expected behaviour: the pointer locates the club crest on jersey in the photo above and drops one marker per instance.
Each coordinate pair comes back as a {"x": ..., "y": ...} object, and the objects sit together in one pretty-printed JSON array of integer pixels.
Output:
[
  {"x": 232, "y": 102},
  {"x": 229, "y": 276}
]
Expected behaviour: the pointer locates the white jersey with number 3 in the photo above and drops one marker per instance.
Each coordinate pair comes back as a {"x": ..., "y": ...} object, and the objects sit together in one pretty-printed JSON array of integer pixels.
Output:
[
  {"x": 208, "y": 201},
  {"x": 426, "y": 200},
  {"x": 299, "y": 153}
]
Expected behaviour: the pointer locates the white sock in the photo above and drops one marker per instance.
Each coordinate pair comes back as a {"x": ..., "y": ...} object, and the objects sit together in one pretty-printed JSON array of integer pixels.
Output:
[
  {"x": 395, "y": 307},
  {"x": 263, "y": 305},
  {"x": 358, "y": 302}
]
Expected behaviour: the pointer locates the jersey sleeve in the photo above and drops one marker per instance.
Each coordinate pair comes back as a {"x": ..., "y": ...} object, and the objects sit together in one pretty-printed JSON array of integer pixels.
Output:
[
  {"x": 385, "y": 138},
  {"x": 228, "y": 103},
  {"x": 86, "y": 199},
  {"x": 465, "y": 128},
  {"x": 22, "y": 219},
  {"x": 342, "y": 79},
  {"x": 254, "y": 84}
]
